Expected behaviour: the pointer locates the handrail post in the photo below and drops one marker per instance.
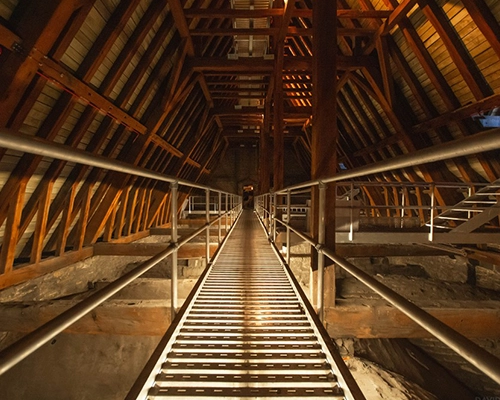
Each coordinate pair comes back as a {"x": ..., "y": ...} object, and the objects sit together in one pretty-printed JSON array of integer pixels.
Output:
[
  {"x": 267, "y": 216},
  {"x": 207, "y": 215},
  {"x": 226, "y": 209},
  {"x": 469, "y": 194},
  {"x": 275, "y": 212},
  {"x": 220, "y": 222},
  {"x": 270, "y": 215},
  {"x": 173, "y": 239},
  {"x": 403, "y": 199},
  {"x": 231, "y": 205},
  {"x": 321, "y": 242},
  {"x": 433, "y": 200},
  {"x": 288, "y": 213},
  {"x": 351, "y": 215}
]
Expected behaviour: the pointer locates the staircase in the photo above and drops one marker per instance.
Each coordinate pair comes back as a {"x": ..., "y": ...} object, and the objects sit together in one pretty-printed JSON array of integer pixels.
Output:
[
  {"x": 472, "y": 212},
  {"x": 246, "y": 334}
]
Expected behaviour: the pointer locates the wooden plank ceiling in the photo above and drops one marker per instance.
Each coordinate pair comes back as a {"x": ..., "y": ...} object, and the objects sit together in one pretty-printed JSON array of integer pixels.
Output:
[{"x": 169, "y": 85}]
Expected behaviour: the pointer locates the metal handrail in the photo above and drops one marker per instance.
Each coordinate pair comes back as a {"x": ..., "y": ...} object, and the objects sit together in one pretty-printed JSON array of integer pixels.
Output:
[
  {"x": 19, "y": 350},
  {"x": 34, "y": 145},
  {"x": 140, "y": 386},
  {"x": 342, "y": 372},
  {"x": 34, "y": 340},
  {"x": 476, "y": 355},
  {"x": 475, "y": 144},
  {"x": 481, "y": 142}
]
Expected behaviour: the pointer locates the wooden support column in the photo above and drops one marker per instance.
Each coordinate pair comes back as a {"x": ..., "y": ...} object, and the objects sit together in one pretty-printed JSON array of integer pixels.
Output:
[
  {"x": 264, "y": 152},
  {"x": 11, "y": 235},
  {"x": 324, "y": 129},
  {"x": 278, "y": 128},
  {"x": 41, "y": 222}
]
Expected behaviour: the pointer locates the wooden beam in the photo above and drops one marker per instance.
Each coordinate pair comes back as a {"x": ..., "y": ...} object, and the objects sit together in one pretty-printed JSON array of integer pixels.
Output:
[
  {"x": 325, "y": 133},
  {"x": 291, "y": 31},
  {"x": 385, "y": 69},
  {"x": 397, "y": 15},
  {"x": 152, "y": 318},
  {"x": 277, "y": 92},
  {"x": 483, "y": 17},
  {"x": 9, "y": 39},
  {"x": 189, "y": 250},
  {"x": 41, "y": 222},
  {"x": 63, "y": 77},
  {"x": 467, "y": 111},
  {"x": 258, "y": 66},
  {"x": 181, "y": 24},
  {"x": 383, "y": 321},
  {"x": 102, "y": 43},
  {"x": 457, "y": 50},
  {"x": 231, "y": 13},
  {"x": 24, "y": 273},
  {"x": 277, "y": 12},
  {"x": 11, "y": 233},
  {"x": 106, "y": 39},
  {"x": 132, "y": 46},
  {"x": 39, "y": 26}
]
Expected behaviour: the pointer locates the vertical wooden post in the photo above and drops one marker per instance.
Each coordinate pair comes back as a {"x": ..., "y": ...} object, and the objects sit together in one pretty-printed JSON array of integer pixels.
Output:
[
  {"x": 324, "y": 130},
  {"x": 65, "y": 223},
  {"x": 279, "y": 138},
  {"x": 264, "y": 152},
  {"x": 41, "y": 223},
  {"x": 84, "y": 217},
  {"x": 11, "y": 234},
  {"x": 173, "y": 206}
]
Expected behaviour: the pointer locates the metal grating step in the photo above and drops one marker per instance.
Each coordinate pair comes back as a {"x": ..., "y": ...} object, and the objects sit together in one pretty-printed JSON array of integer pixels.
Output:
[
  {"x": 469, "y": 209},
  {"x": 246, "y": 334},
  {"x": 251, "y": 393}
]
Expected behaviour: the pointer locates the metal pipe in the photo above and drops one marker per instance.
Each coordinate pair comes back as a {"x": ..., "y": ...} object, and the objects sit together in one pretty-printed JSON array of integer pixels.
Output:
[
  {"x": 275, "y": 213},
  {"x": 473, "y": 353},
  {"x": 231, "y": 210},
  {"x": 219, "y": 237},
  {"x": 226, "y": 210},
  {"x": 474, "y": 144},
  {"x": 476, "y": 355},
  {"x": 207, "y": 216},
  {"x": 321, "y": 242},
  {"x": 173, "y": 240},
  {"x": 351, "y": 216},
  {"x": 141, "y": 386},
  {"x": 34, "y": 145},
  {"x": 271, "y": 215},
  {"x": 19, "y": 350},
  {"x": 288, "y": 213},
  {"x": 433, "y": 205},
  {"x": 402, "y": 214}
]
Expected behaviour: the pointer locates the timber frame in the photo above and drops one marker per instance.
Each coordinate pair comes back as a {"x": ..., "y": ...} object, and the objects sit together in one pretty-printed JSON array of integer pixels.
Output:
[{"x": 157, "y": 84}]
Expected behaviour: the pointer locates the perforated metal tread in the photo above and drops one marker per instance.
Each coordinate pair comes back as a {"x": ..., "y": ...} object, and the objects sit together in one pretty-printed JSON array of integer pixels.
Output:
[{"x": 246, "y": 334}]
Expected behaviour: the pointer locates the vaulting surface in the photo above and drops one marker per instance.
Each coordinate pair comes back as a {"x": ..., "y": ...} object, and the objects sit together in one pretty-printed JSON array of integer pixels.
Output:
[{"x": 171, "y": 84}]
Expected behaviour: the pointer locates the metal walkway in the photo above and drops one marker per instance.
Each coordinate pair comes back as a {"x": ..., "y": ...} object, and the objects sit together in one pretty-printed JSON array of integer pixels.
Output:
[{"x": 246, "y": 334}]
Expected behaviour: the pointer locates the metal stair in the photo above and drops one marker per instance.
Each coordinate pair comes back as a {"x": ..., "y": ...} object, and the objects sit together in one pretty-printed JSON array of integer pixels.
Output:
[
  {"x": 246, "y": 334},
  {"x": 472, "y": 212}
]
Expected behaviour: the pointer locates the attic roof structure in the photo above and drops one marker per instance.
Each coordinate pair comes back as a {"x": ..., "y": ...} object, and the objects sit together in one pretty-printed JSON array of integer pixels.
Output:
[{"x": 234, "y": 93}]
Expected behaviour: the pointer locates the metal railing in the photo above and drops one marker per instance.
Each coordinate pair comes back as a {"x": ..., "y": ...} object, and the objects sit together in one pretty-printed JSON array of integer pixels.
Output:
[
  {"x": 267, "y": 211},
  {"x": 402, "y": 205},
  {"x": 197, "y": 205},
  {"x": 267, "y": 208},
  {"x": 34, "y": 340}
]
